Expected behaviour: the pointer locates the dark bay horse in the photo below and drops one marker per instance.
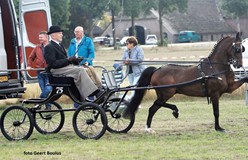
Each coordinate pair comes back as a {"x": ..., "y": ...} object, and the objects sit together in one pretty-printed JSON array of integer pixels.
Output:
[{"x": 226, "y": 52}]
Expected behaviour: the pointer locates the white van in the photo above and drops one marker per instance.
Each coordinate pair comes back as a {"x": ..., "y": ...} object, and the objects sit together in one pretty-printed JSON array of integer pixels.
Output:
[{"x": 17, "y": 39}]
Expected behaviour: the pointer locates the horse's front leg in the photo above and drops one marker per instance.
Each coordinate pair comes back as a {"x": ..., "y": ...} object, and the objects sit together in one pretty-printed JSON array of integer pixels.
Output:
[
  {"x": 236, "y": 84},
  {"x": 215, "y": 103}
]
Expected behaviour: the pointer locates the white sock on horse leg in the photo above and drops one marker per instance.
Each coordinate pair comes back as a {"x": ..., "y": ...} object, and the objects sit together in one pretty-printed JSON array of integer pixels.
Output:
[{"x": 149, "y": 130}]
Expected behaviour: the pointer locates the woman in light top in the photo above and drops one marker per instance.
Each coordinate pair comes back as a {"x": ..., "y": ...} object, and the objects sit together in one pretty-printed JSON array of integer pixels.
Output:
[{"x": 133, "y": 57}]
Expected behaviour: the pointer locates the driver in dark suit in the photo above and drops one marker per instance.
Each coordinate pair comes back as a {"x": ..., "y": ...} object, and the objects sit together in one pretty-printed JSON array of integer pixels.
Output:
[{"x": 58, "y": 63}]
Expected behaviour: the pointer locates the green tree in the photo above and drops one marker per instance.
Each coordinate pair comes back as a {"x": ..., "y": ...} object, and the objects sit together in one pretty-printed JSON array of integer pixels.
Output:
[
  {"x": 115, "y": 8},
  {"x": 235, "y": 9},
  {"x": 105, "y": 20},
  {"x": 60, "y": 13},
  {"x": 134, "y": 8},
  {"x": 167, "y": 6},
  {"x": 60, "y": 16},
  {"x": 87, "y": 13}
]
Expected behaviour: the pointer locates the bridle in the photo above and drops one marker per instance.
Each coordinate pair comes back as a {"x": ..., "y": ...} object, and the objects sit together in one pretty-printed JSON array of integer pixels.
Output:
[{"x": 237, "y": 48}]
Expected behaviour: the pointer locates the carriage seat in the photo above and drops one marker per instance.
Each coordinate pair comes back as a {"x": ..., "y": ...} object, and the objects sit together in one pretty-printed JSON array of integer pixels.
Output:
[
  {"x": 109, "y": 80},
  {"x": 59, "y": 80}
]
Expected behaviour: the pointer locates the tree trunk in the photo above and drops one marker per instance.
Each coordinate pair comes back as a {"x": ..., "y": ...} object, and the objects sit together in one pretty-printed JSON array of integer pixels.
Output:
[
  {"x": 160, "y": 26},
  {"x": 132, "y": 29},
  {"x": 238, "y": 24},
  {"x": 113, "y": 29},
  {"x": 90, "y": 28}
]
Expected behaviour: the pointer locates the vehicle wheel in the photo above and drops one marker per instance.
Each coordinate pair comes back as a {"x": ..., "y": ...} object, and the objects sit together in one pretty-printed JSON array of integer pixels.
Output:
[
  {"x": 89, "y": 121},
  {"x": 116, "y": 123},
  {"x": 16, "y": 123},
  {"x": 49, "y": 122}
]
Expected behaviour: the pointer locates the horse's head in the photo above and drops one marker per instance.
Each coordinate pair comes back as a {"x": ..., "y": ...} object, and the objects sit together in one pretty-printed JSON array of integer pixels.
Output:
[{"x": 235, "y": 55}]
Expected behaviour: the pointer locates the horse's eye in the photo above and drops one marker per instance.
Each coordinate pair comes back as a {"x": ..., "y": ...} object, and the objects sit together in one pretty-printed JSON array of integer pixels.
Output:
[{"x": 237, "y": 50}]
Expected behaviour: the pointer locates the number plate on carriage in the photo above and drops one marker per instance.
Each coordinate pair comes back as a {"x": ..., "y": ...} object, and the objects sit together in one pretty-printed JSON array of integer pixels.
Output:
[{"x": 3, "y": 78}]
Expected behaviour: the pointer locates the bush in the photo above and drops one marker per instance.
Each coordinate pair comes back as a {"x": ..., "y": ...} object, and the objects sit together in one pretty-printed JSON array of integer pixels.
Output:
[{"x": 164, "y": 43}]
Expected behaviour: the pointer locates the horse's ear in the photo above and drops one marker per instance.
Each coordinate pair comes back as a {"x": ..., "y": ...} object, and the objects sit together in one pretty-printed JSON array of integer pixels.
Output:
[{"x": 237, "y": 35}]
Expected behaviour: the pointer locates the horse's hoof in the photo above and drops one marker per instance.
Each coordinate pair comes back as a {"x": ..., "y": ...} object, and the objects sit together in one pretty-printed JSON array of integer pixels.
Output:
[
  {"x": 149, "y": 130},
  {"x": 175, "y": 114},
  {"x": 220, "y": 130}
]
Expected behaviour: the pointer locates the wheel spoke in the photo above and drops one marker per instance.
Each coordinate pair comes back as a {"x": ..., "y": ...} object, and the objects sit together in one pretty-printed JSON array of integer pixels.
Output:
[
  {"x": 49, "y": 122},
  {"x": 87, "y": 123},
  {"x": 117, "y": 123}
]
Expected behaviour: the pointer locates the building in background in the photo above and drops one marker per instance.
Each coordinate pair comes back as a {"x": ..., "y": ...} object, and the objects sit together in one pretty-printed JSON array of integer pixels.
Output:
[{"x": 203, "y": 17}]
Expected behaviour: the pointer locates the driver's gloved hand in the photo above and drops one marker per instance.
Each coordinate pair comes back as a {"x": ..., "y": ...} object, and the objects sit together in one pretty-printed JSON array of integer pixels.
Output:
[{"x": 71, "y": 59}]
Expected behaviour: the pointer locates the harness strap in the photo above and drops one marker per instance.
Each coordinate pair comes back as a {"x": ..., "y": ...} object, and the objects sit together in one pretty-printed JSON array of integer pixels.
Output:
[
  {"x": 204, "y": 81},
  {"x": 205, "y": 88}
]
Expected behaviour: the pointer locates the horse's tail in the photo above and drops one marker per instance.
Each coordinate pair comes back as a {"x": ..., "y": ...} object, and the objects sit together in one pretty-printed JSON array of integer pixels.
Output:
[{"x": 144, "y": 80}]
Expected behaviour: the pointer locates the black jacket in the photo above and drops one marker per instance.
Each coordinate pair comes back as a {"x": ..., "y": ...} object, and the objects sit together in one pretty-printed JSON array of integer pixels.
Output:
[{"x": 55, "y": 56}]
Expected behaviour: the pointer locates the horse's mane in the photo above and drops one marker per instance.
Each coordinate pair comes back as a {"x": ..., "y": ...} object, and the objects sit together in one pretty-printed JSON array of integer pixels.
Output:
[
  {"x": 217, "y": 44},
  {"x": 180, "y": 65}
]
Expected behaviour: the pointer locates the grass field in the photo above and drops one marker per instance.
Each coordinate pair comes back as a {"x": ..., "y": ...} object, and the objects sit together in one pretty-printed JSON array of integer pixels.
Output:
[{"x": 190, "y": 137}]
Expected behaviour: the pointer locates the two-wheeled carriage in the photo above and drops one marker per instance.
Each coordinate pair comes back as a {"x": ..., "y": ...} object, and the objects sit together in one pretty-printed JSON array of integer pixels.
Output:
[{"x": 90, "y": 120}]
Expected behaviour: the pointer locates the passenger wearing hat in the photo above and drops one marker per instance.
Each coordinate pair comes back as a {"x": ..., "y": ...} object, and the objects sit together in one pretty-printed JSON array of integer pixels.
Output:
[{"x": 58, "y": 63}]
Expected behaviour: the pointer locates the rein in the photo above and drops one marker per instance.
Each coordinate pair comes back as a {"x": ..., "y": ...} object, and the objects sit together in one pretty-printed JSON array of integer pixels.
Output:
[{"x": 210, "y": 62}]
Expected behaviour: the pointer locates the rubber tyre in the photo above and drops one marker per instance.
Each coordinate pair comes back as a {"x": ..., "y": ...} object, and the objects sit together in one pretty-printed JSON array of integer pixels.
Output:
[
  {"x": 116, "y": 123},
  {"x": 16, "y": 123},
  {"x": 49, "y": 122},
  {"x": 89, "y": 121}
]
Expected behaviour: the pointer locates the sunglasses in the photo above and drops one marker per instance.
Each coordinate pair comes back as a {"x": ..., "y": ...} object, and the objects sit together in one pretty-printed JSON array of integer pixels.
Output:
[{"x": 127, "y": 43}]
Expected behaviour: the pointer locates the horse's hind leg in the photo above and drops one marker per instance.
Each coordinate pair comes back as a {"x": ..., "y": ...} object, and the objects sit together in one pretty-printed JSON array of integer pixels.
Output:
[
  {"x": 174, "y": 108},
  {"x": 156, "y": 105}
]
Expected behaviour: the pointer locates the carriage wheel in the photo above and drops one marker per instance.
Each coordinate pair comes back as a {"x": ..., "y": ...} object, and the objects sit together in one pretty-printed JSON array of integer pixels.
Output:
[
  {"x": 49, "y": 122},
  {"x": 16, "y": 123},
  {"x": 116, "y": 123},
  {"x": 89, "y": 121}
]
